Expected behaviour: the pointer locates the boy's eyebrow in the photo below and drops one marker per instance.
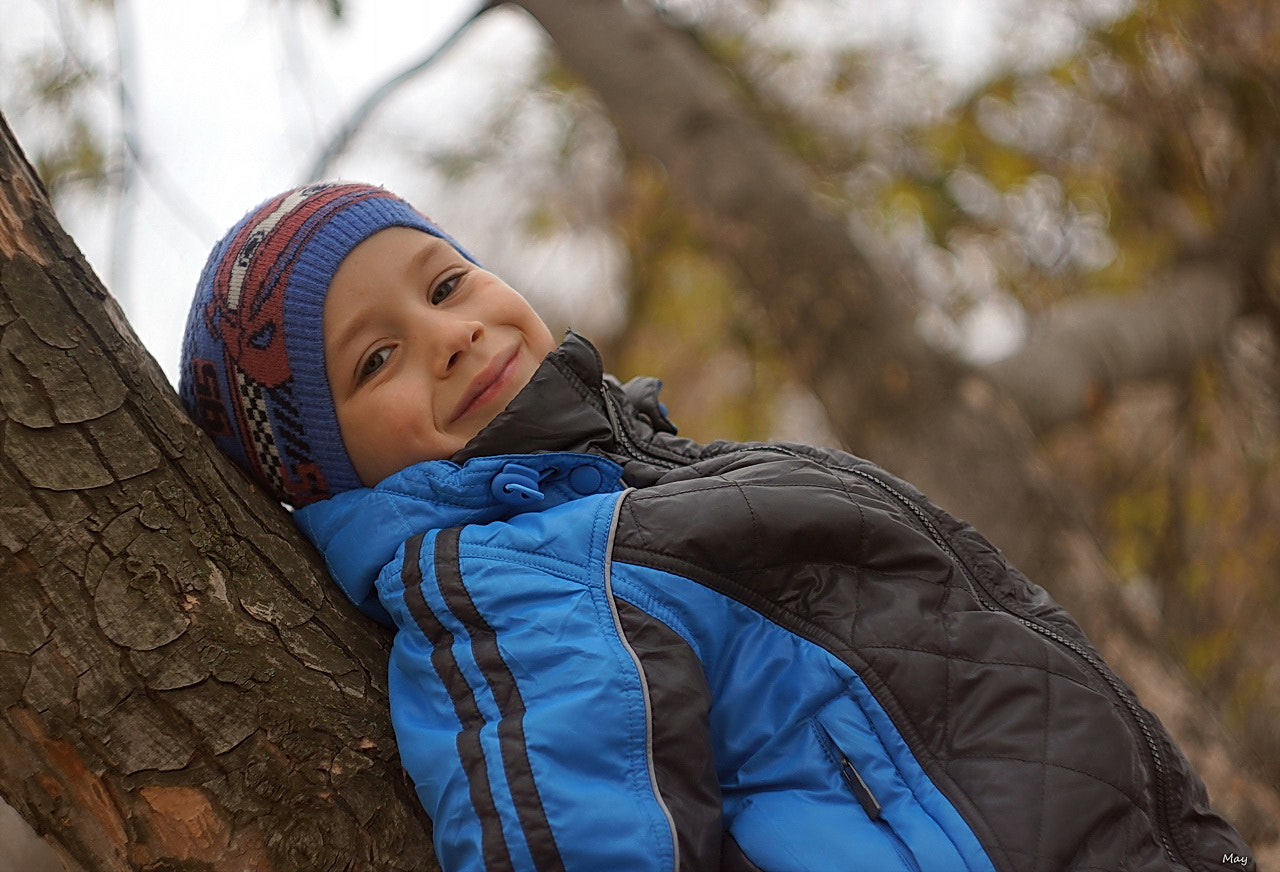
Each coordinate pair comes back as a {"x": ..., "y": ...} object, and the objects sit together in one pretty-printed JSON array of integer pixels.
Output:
[
  {"x": 344, "y": 337},
  {"x": 419, "y": 260}
]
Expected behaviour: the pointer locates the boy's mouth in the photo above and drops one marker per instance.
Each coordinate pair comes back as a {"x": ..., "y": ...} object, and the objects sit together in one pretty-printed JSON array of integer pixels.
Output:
[{"x": 489, "y": 384}]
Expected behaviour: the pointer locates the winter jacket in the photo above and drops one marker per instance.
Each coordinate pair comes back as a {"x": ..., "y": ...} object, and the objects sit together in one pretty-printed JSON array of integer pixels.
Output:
[{"x": 622, "y": 650}]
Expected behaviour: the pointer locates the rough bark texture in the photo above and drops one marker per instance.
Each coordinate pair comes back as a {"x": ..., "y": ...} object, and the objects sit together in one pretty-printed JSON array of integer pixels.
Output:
[
  {"x": 180, "y": 686},
  {"x": 846, "y": 322}
]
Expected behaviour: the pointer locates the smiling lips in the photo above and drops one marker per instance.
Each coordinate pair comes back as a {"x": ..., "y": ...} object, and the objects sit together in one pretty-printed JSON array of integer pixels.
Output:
[{"x": 489, "y": 384}]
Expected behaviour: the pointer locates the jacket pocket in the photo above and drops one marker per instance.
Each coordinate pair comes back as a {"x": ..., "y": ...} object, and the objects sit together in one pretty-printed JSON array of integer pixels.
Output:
[{"x": 862, "y": 792}]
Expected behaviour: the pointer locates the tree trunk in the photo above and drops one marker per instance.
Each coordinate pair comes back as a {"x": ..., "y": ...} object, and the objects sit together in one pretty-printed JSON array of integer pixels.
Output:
[
  {"x": 846, "y": 322},
  {"x": 181, "y": 688}
]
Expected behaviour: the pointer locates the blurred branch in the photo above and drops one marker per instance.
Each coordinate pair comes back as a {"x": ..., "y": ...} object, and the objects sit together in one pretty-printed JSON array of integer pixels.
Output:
[
  {"x": 351, "y": 126},
  {"x": 130, "y": 162},
  {"x": 135, "y": 165},
  {"x": 1081, "y": 351},
  {"x": 125, "y": 201}
]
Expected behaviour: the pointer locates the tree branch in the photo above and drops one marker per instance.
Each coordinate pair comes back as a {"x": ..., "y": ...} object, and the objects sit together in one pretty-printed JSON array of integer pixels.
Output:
[
  {"x": 348, "y": 129},
  {"x": 1080, "y": 352}
]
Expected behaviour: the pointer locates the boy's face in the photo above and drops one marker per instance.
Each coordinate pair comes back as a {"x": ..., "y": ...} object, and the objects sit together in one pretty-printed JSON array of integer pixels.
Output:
[{"x": 422, "y": 350}]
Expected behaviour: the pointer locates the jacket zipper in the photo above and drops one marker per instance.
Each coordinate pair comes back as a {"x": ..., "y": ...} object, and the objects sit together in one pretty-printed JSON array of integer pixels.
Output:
[
  {"x": 624, "y": 436},
  {"x": 862, "y": 792},
  {"x": 1130, "y": 706},
  {"x": 624, "y": 439},
  {"x": 644, "y": 685}
]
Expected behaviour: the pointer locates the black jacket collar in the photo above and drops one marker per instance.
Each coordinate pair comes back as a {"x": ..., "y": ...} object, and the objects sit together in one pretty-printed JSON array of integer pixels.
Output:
[
  {"x": 571, "y": 404},
  {"x": 561, "y": 409}
]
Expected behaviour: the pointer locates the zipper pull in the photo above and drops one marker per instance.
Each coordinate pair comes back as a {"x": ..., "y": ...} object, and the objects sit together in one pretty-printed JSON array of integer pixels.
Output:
[{"x": 865, "y": 797}]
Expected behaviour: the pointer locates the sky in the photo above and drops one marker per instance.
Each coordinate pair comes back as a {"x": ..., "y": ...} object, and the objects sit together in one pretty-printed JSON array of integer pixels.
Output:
[{"x": 233, "y": 99}]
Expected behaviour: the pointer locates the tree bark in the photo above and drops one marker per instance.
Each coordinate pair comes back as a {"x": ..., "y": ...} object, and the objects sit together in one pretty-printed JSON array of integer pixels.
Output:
[
  {"x": 847, "y": 323},
  {"x": 181, "y": 688}
]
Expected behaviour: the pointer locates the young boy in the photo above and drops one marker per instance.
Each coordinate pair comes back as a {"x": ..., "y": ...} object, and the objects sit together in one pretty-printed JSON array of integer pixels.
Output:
[{"x": 618, "y": 649}]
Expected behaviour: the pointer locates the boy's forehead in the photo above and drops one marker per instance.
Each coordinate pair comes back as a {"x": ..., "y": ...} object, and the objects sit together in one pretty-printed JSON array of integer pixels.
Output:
[
  {"x": 363, "y": 281},
  {"x": 394, "y": 252}
]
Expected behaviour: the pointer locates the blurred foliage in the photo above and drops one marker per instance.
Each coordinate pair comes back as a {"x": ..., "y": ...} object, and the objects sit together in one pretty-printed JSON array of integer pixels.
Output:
[
  {"x": 685, "y": 323},
  {"x": 64, "y": 87},
  {"x": 1187, "y": 494},
  {"x": 74, "y": 158},
  {"x": 59, "y": 85},
  {"x": 1185, "y": 483}
]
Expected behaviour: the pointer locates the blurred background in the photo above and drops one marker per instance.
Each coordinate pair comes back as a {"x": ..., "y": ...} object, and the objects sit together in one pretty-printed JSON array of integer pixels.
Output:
[
  {"x": 157, "y": 125},
  {"x": 1004, "y": 157}
]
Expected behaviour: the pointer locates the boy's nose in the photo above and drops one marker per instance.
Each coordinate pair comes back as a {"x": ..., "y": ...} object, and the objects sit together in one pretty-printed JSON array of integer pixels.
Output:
[{"x": 454, "y": 338}]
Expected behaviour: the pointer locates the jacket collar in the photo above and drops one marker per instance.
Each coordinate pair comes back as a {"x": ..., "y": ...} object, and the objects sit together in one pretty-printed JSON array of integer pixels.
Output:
[
  {"x": 572, "y": 405},
  {"x": 561, "y": 409}
]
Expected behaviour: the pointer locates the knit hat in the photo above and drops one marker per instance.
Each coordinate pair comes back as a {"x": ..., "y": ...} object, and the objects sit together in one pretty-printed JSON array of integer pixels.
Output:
[{"x": 253, "y": 374}]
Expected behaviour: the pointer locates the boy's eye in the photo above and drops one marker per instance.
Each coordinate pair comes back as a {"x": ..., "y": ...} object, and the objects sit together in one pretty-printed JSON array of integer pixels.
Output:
[
  {"x": 374, "y": 362},
  {"x": 441, "y": 292}
]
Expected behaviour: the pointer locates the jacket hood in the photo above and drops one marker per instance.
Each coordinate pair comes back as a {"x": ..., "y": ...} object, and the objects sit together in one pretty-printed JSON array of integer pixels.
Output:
[{"x": 558, "y": 423}]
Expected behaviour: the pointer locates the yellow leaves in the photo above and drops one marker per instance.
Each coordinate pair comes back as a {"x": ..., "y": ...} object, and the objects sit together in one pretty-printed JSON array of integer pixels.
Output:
[
  {"x": 1005, "y": 168},
  {"x": 1204, "y": 655},
  {"x": 555, "y": 76},
  {"x": 1141, "y": 252},
  {"x": 76, "y": 157},
  {"x": 1135, "y": 518},
  {"x": 1125, "y": 40},
  {"x": 691, "y": 332},
  {"x": 1186, "y": 504},
  {"x": 982, "y": 138},
  {"x": 852, "y": 72},
  {"x": 55, "y": 84},
  {"x": 949, "y": 141},
  {"x": 905, "y": 198}
]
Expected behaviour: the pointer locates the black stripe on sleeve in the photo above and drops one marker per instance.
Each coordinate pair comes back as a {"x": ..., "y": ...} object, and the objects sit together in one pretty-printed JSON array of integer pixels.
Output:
[
  {"x": 493, "y": 845},
  {"x": 511, "y": 738}
]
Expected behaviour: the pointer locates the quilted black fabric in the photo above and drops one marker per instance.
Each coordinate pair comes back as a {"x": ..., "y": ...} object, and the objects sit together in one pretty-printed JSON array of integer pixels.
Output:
[{"x": 1012, "y": 713}]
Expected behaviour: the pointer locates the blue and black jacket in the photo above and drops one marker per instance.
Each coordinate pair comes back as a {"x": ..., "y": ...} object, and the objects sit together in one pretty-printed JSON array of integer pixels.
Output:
[{"x": 622, "y": 650}]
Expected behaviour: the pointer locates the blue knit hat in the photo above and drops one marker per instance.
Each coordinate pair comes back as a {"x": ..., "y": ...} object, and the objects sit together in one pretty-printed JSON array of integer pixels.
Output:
[{"x": 253, "y": 374}]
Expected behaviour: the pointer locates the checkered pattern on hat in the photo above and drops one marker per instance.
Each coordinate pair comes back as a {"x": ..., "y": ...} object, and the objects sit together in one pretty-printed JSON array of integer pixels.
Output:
[{"x": 252, "y": 369}]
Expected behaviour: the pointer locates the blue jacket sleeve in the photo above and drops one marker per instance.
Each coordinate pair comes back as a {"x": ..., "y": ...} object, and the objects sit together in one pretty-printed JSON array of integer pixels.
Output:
[{"x": 519, "y": 708}]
